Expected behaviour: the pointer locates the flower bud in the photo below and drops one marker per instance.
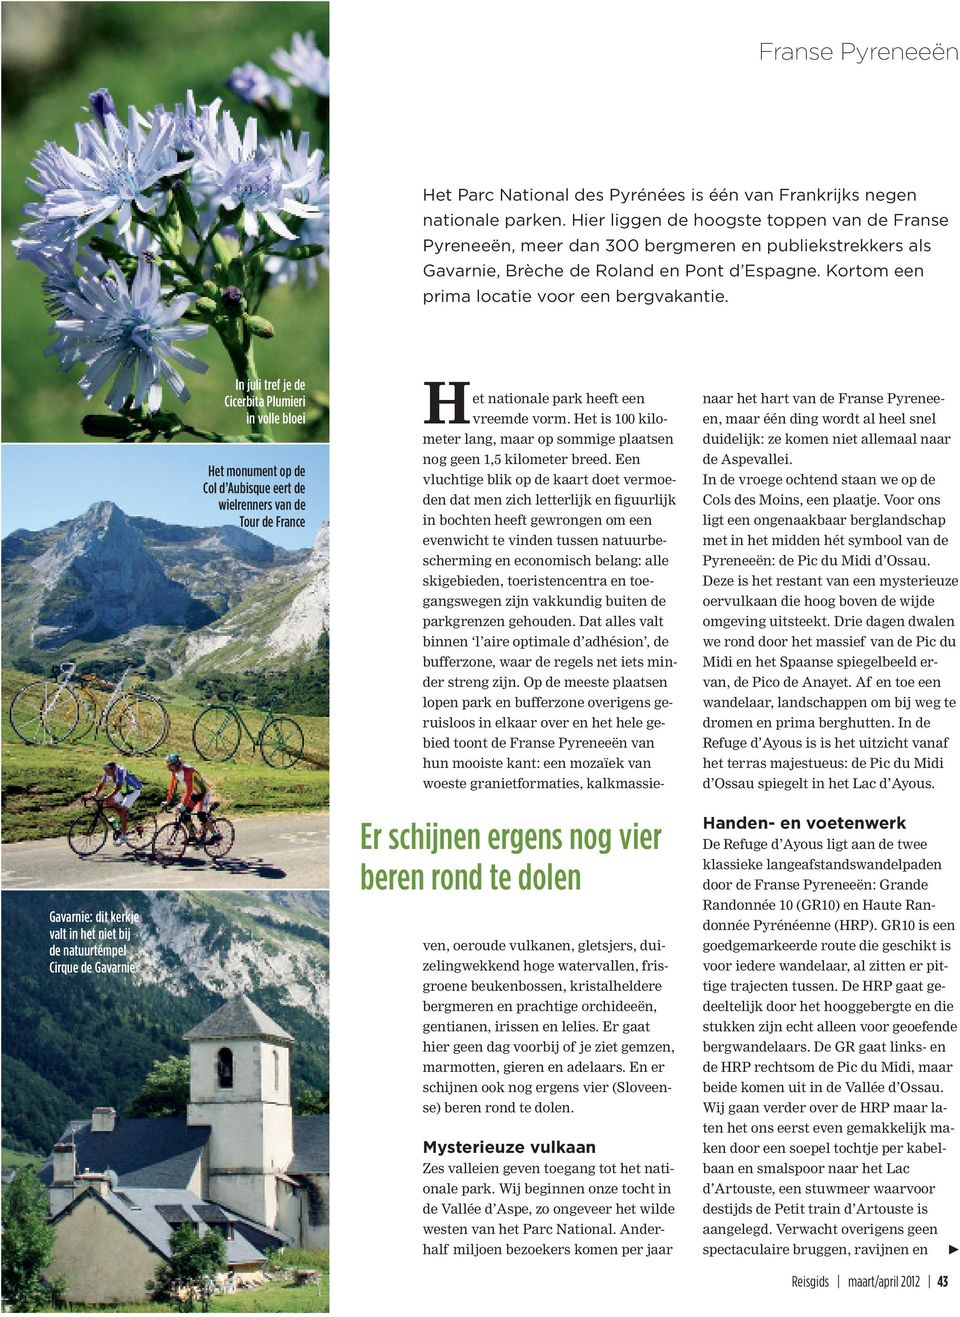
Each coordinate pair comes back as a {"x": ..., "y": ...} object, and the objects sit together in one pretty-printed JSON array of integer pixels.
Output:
[
  {"x": 101, "y": 103},
  {"x": 303, "y": 251},
  {"x": 257, "y": 325},
  {"x": 207, "y": 305},
  {"x": 108, "y": 427},
  {"x": 224, "y": 249},
  {"x": 171, "y": 226},
  {"x": 234, "y": 302}
]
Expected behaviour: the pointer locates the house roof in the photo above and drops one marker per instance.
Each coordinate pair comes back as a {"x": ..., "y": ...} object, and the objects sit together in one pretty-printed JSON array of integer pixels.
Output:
[
  {"x": 311, "y": 1146},
  {"x": 151, "y": 1153},
  {"x": 155, "y": 1213},
  {"x": 259, "y": 1235},
  {"x": 164, "y": 1152},
  {"x": 238, "y": 1018}
]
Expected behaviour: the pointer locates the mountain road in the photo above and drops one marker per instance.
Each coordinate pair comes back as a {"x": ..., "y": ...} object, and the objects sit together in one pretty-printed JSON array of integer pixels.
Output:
[{"x": 275, "y": 851}]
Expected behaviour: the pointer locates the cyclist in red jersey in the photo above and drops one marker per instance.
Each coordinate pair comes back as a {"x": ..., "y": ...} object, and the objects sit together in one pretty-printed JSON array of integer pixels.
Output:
[{"x": 196, "y": 793}]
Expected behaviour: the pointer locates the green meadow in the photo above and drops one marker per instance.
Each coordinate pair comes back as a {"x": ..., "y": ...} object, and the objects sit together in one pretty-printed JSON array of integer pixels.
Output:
[{"x": 42, "y": 784}]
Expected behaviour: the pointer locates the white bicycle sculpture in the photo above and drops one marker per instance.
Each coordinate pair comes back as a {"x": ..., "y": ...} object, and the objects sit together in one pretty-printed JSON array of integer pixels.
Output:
[{"x": 47, "y": 711}]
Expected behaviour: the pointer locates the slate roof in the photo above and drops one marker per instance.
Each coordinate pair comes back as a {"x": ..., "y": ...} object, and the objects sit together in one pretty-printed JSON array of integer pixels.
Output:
[
  {"x": 149, "y": 1153},
  {"x": 239, "y": 1018},
  {"x": 164, "y": 1152},
  {"x": 311, "y": 1146},
  {"x": 154, "y": 1214},
  {"x": 259, "y": 1235}
]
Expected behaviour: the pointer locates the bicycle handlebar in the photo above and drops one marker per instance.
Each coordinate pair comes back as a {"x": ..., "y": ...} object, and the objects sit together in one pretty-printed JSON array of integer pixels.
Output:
[
  {"x": 94, "y": 679},
  {"x": 234, "y": 697}
]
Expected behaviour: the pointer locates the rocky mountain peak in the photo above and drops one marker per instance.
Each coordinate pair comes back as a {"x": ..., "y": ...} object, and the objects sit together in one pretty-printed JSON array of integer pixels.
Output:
[
  {"x": 105, "y": 574},
  {"x": 99, "y": 581},
  {"x": 321, "y": 546},
  {"x": 247, "y": 547}
]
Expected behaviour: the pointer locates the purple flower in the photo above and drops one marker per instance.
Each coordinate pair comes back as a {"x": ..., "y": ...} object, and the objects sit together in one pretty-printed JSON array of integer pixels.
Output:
[
  {"x": 304, "y": 165},
  {"x": 304, "y": 64},
  {"x": 233, "y": 172},
  {"x": 254, "y": 85},
  {"x": 113, "y": 170},
  {"x": 128, "y": 334}
]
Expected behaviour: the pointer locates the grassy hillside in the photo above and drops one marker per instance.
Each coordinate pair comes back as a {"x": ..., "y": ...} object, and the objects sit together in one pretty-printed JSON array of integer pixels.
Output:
[
  {"x": 13, "y": 1160},
  {"x": 222, "y": 652},
  {"x": 243, "y": 632},
  {"x": 42, "y": 784}
]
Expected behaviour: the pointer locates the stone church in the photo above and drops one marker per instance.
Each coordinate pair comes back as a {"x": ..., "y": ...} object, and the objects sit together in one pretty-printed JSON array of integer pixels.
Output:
[{"x": 239, "y": 1162}]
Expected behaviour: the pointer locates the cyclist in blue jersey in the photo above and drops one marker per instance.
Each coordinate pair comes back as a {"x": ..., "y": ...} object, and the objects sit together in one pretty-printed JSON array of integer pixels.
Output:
[{"x": 121, "y": 789}]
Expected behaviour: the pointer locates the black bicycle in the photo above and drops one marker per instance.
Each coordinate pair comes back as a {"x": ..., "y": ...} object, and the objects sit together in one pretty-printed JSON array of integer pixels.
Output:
[
  {"x": 172, "y": 839},
  {"x": 88, "y": 833}
]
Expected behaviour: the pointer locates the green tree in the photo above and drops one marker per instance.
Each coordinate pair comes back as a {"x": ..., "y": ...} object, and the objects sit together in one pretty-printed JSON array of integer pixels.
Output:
[
  {"x": 166, "y": 1089},
  {"x": 28, "y": 1241},
  {"x": 311, "y": 1102},
  {"x": 188, "y": 1277}
]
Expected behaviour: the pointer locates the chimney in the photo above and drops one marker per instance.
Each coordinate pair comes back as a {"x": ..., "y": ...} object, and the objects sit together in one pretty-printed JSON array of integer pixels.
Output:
[
  {"x": 103, "y": 1121},
  {"x": 92, "y": 1180},
  {"x": 64, "y": 1163}
]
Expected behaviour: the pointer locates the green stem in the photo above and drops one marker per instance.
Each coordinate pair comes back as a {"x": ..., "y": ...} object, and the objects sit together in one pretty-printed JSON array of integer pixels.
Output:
[
  {"x": 192, "y": 270},
  {"x": 240, "y": 349},
  {"x": 221, "y": 222}
]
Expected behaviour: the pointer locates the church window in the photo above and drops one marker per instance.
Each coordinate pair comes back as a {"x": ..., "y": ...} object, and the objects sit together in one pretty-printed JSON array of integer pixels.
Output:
[
  {"x": 224, "y": 1068},
  {"x": 276, "y": 1070}
]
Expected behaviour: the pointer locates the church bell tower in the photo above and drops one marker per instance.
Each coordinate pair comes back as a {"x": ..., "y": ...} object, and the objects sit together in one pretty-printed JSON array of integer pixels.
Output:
[{"x": 240, "y": 1087}]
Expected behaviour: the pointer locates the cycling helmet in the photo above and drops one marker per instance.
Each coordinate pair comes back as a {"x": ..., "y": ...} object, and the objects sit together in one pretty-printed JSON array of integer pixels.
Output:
[
  {"x": 109, "y": 766},
  {"x": 173, "y": 759}
]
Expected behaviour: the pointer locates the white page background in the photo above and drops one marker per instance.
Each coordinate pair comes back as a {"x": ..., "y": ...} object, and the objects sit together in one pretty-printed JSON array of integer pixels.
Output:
[{"x": 554, "y": 95}]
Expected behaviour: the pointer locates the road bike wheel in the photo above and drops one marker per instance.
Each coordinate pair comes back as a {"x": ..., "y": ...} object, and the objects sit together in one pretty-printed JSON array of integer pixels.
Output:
[
  {"x": 216, "y": 734},
  {"x": 220, "y": 838},
  {"x": 170, "y": 843},
  {"x": 87, "y": 834},
  {"x": 281, "y": 742},
  {"x": 89, "y": 718},
  {"x": 141, "y": 832},
  {"x": 44, "y": 712},
  {"x": 137, "y": 724}
]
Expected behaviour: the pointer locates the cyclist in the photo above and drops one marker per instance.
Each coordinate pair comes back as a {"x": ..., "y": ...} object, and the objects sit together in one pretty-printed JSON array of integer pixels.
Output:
[
  {"x": 196, "y": 792},
  {"x": 121, "y": 790}
]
